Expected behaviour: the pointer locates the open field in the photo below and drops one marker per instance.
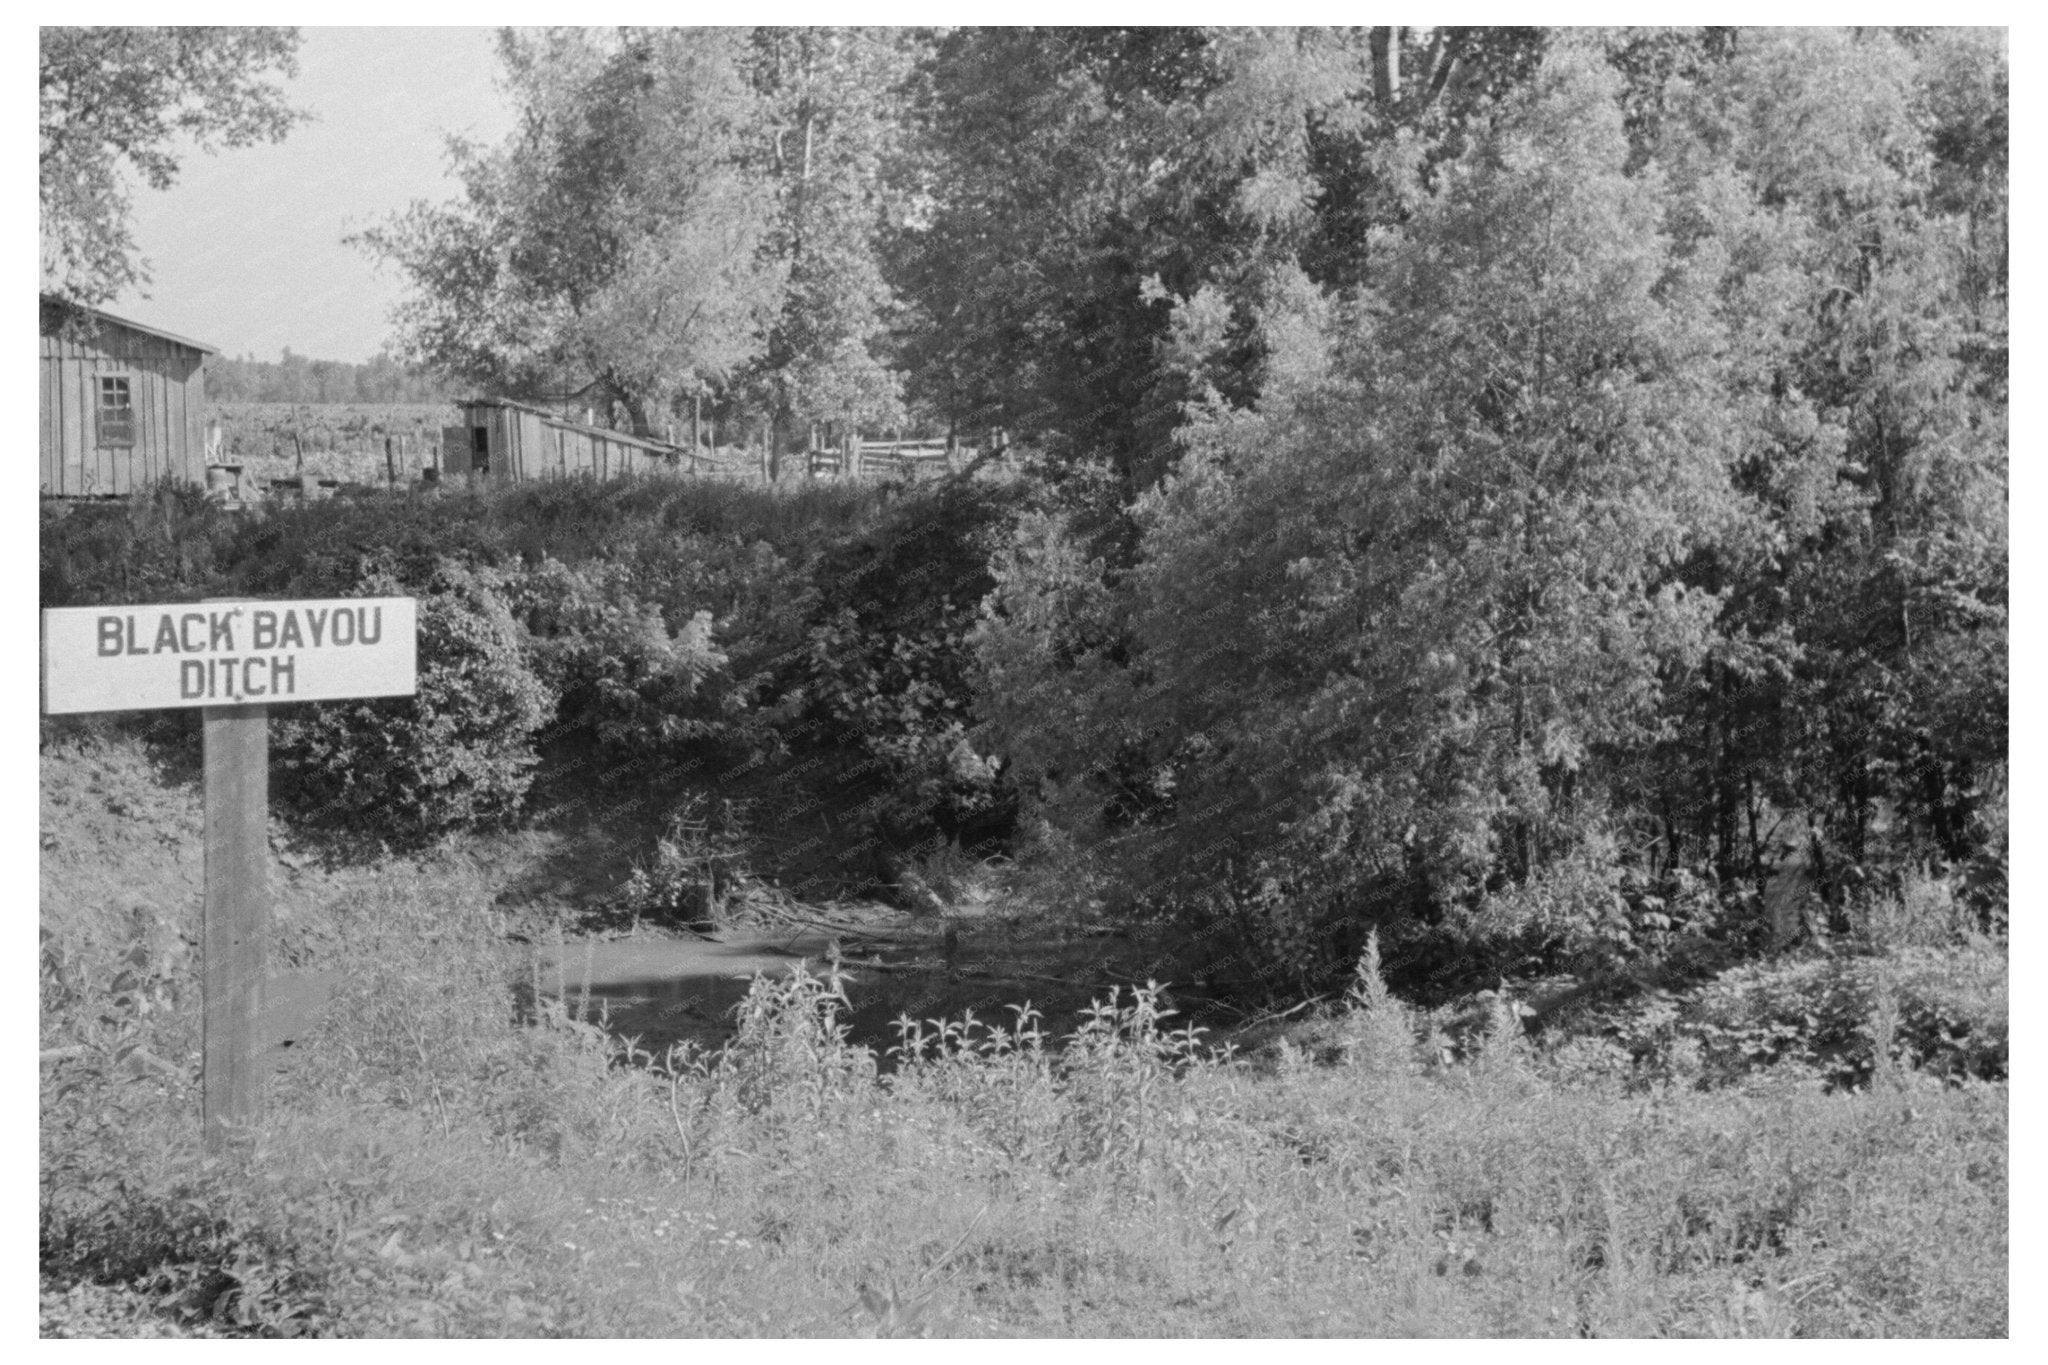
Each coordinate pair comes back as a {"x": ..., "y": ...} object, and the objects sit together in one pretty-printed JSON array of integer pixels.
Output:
[
  {"x": 342, "y": 441},
  {"x": 441, "y": 1162}
]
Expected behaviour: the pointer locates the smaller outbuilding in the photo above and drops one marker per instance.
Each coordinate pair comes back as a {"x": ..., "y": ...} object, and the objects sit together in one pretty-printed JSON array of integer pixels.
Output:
[
  {"x": 123, "y": 405},
  {"x": 501, "y": 441}
]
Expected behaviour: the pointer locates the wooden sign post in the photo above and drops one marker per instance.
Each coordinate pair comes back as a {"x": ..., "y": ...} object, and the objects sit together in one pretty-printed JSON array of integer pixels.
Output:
[
  {"x": 233, "y": 660},
  {"x": 237, "y": 917}
]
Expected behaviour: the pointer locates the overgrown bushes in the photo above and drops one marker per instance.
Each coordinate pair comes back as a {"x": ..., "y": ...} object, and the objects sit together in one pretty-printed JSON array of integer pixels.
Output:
[
  {"x": 619, "y": 670},
  {"x": 1630, "y": 538},
  {"x": 441, "y": 1174},
  {"x": 888, "y": 660},
  {"x": 666, "y": 621},
  {"x": 457, "y": 754}
]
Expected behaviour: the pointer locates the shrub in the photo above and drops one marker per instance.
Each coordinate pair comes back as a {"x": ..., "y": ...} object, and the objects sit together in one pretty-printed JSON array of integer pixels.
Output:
[
  {"x": 1943, "y": 1011},
  {"x": 789, "y": 1059},
  {"x": 615, "y": 665},
  {"x": 695, "y": 864},
  {"x": 165, "y": 546},
  {"x": 887, "y": 655},
  {"x": 456, "y": 754}
]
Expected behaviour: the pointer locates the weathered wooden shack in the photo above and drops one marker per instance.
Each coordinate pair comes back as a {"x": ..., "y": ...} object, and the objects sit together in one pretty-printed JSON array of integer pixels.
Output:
[
  {"x": 123, "y": 405},
  {"x": 502, "y": 441}
]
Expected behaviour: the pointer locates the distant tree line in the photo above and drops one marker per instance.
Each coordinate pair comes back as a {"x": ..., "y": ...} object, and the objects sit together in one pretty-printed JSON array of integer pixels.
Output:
[{"x": 295, "y": 379}]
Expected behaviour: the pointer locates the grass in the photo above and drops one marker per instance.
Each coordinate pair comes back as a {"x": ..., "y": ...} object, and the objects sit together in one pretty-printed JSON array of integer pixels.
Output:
[
  {"x": 339, "y": 440},
  {"x": 431, "y": 1167}
]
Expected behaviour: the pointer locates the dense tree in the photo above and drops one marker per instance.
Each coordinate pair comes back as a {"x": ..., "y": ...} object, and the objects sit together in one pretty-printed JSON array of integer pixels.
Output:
[
  {"x": 1858, "y": 182},
  {"x": 828, "y": 138},
  {"x": 1417, "y": 679},
  {"x": 1079, "y": 182},
  {"x": 1076, "y": 182},
  {"x": 620, "y": 237},
  {"x": 112, "y": 99},
  {"x": 1643, "y": 494}
]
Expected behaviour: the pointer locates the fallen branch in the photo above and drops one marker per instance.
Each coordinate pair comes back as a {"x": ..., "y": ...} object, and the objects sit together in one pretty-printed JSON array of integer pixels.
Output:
[
  {"x": 855, "y": 964},
  {"x": 1283, "y": 1014},
  {"x": 990, "y": 974}
]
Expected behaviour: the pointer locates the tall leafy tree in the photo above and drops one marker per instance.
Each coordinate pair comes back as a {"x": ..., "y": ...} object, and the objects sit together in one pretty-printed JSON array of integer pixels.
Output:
[
  {"x": 116, "y": 100},
  {"x": 1077, "y": 182},
  {"x": 1857, "y": 182},
  {"x": 827, "y": 138},
  {"x": 1394, "y": 625},
  {"x": 621, "y": 236}
]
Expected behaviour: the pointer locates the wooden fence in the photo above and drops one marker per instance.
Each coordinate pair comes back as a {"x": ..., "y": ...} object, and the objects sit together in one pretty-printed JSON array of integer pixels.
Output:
[{"x": 858, "y": 457}]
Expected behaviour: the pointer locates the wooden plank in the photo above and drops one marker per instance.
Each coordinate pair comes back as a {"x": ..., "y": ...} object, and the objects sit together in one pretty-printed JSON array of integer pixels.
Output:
[
  {"x": 75, "y": 462},
  {"x": 455, "y": 451},
  {"x": 536, "y": 451},
  {"x": 236, "y": 919},
  {"x": 156, "y": 457},
  {"x": 177, "y": 452},
  {"x": 195, "y": 414},
  {"x": 172, "y": 458},
  {"x": 50, "y": 434},
  {"x": 67, "y": 419},
  {"x": 504, "y": 462},
  {"x": 145, "y": 457}
]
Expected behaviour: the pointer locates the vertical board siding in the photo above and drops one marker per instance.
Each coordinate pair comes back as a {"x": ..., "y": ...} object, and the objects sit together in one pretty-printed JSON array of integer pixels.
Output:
[
  {"x": 533, "y": 447},
  {"x": 50, "y": 409},
  {"x": 77, "y": 467},
  {"x": 145, "y": 455},
  {"x": 526, "y": 444},
  {"x": 502, "y": 458},
  {"x": 169, "y": 415},
  {"x": 192, "y": 393}
]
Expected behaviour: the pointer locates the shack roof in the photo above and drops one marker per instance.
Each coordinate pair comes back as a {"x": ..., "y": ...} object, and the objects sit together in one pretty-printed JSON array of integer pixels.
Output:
[
  {"x": 60, "y": 307},
  {"x": 552, "y": 419}
]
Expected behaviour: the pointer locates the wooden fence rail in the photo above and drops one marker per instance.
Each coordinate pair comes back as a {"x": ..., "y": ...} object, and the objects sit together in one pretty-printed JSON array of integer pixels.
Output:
[{"x": 894, "y": 457}]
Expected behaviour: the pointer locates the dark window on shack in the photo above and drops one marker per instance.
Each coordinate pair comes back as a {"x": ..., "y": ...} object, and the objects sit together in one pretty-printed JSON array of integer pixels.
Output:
[
  {"x": 480, "y": 449},
  {"x": 116, "y": 411}
]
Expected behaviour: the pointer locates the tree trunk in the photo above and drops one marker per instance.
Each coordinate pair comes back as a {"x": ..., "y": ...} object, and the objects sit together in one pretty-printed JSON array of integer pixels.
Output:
[
  {"x": 636, "y": 413},
  {"x": 1386, "y": 64}
]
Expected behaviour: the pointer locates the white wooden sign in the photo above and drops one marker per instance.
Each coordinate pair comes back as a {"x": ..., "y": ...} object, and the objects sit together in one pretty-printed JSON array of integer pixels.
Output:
[
  {"x": 227, "y": 654},
  {"x": 234, "y": 659}
]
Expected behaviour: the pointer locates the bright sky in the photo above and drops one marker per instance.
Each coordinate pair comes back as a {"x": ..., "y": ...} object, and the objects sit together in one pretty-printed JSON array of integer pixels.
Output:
[{"x": 246, "y": 251}]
